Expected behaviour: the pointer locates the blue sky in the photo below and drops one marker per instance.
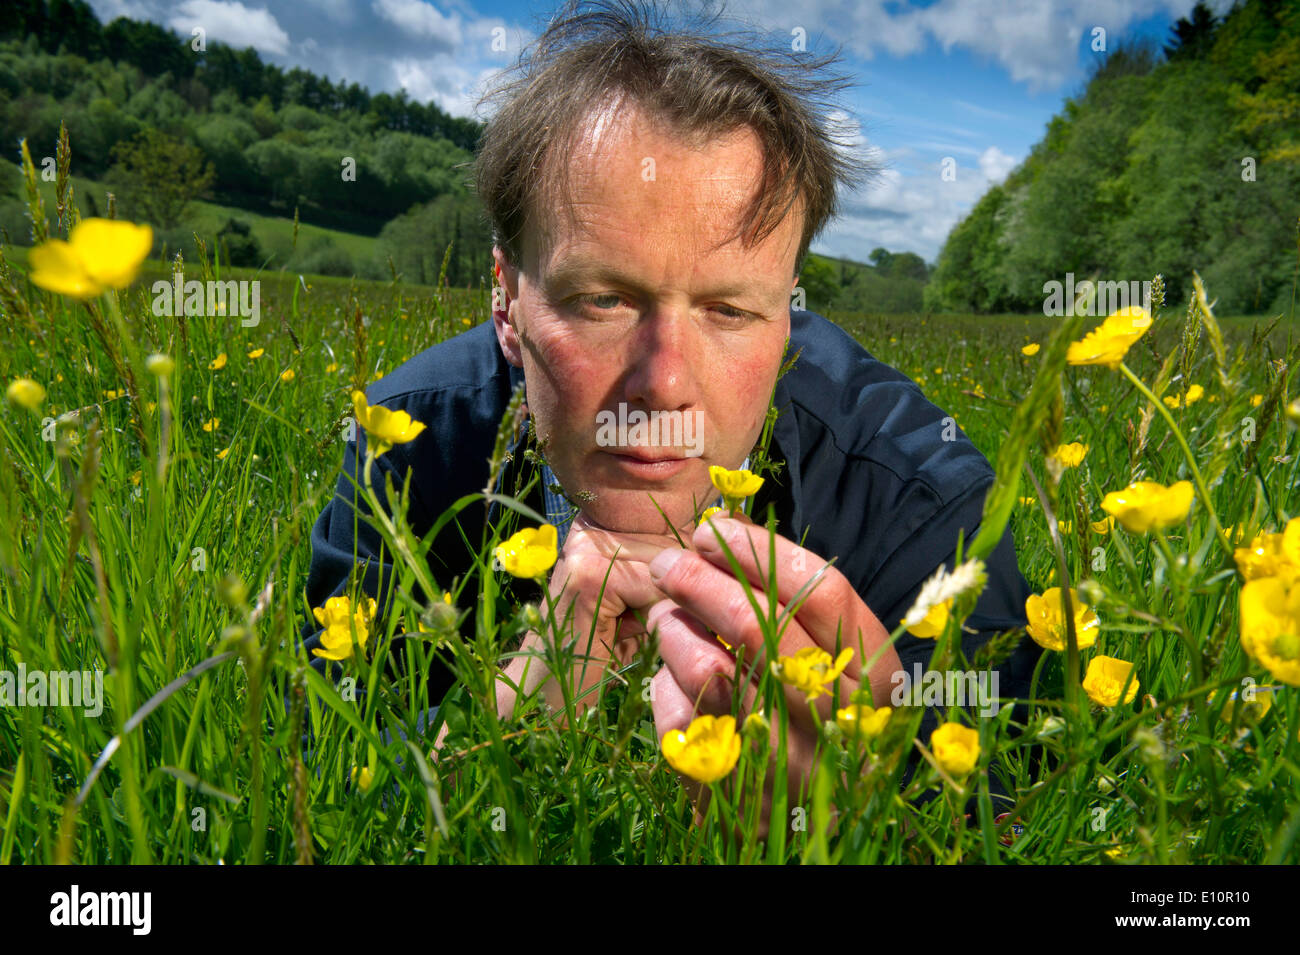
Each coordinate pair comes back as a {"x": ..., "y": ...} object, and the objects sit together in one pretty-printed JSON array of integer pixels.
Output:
[{"x": 974, "y": 81}]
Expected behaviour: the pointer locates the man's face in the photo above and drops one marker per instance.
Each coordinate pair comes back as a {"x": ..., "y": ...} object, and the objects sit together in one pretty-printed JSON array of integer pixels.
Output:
[{"x": 632, "y": 309}]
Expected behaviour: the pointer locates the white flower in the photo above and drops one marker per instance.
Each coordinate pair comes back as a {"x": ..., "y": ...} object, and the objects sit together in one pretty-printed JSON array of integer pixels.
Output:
[{"x": 945, "y": 586}]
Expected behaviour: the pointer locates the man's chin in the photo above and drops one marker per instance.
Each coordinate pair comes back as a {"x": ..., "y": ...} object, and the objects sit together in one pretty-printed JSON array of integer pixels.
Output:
[{"x": 633, "y": 512}]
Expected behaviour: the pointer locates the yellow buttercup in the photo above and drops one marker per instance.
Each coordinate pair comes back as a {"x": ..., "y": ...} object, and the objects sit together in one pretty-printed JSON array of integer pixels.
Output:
[
  {"x": 707, "y": 751},
  {"x": 99, "y": 254}
]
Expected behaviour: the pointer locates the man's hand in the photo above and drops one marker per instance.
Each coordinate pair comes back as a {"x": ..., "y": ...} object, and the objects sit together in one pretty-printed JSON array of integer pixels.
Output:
[
  {"x": 704, "y": 595},
  {"x": 593, "y": 560},
  {"x": 575, "y": 588}
]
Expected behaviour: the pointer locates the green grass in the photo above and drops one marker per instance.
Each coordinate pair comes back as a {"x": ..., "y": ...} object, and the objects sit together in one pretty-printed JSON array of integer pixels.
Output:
[{"x": 128, "y": 545}]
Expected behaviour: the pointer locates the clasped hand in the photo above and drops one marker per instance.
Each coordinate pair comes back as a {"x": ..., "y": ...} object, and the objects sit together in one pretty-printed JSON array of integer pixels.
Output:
[{"x": 690, "y": 594}]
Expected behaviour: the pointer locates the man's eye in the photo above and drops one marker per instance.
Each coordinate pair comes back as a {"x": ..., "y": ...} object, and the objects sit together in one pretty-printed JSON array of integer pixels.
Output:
[
  {"x": 611, "y": 300},
  {"x": 732, "y": 316},
  {"x": 603, "y": 302}
]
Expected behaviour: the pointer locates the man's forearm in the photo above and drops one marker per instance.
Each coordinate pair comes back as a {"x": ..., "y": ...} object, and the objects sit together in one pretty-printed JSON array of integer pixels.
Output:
[
  {"x": 525, "y": 673},
  {"x": 522, "y": 676}
]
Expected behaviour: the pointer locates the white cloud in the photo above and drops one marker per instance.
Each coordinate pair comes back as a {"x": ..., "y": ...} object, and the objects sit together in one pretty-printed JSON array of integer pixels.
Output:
[
  {"x": 339, "y": 11},
  {"x": 911, "y": 212},
  {"x": 420, "y": 19},
  {"x": 498, "y": 40},
  {"x": 845, "y": 130},
  {"x": 415, "y": 79},
  {"x": 231, "y": 22},
  {"x": 1035, "y": 41},
  {"x": 995, "y": 164},
  {"x": 110, "y": 10},
  {"x": 453, "y": 88}
]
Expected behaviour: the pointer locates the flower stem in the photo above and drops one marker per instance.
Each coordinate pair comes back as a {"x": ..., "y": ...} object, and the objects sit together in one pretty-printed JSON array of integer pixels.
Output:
[
  {"x": 1187, "y": 452},
  {"x": 420, "y": 568}
]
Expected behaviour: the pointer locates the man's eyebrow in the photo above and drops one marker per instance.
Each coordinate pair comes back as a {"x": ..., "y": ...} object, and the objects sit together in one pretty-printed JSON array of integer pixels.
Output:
[{"x": 575, "y": 271}]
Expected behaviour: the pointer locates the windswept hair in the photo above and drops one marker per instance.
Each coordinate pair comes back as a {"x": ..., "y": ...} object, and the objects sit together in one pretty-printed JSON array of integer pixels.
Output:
[{"x": 701, "y": 83}]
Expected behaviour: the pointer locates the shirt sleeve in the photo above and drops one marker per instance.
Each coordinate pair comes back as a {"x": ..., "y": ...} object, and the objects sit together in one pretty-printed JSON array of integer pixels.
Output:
[
  {"x": 900, "y": 574},
  {"x": 1000, "y": 607}
]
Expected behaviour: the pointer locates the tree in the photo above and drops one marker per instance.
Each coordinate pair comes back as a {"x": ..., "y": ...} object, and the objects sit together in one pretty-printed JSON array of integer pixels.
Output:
[
  {"x": 148, "y": 47},
  {"x": 239, "y": 245},
  {"x": 1272, "y": 112},
  {"x": 73, "y": 25},
  {"x": 1192, "y": 38},
  {"x": 908, "y": 265},
  {"x": 157, "y": 177},
  {"x": 817, "y": 278},
  {"x": 418, "y": 240},
  {"x": 1191, "y": 164}
]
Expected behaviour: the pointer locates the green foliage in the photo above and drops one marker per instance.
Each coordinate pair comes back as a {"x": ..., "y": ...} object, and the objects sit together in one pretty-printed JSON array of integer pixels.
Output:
[
  {"x": 418, "y": 241},
  {"x": 1270, "y": 105},
  {"x": 157, "y": 177},
  {"x": 275, "y": 139},
  {"x": 70, "y": 26},
  {"x": 1192, "y": 37},
  {"x": 969, "y": 275},
  {"x": 1155, "y": 168},
  {"x": 893, "y": 285},
  {"x": 818, "y": 280},
  {"x": 238, "y": 244},
  {"x": 322, "y": 256}
]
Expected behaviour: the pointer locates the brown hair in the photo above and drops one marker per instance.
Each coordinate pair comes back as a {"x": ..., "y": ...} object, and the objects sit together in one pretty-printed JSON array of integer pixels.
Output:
[{"x": 701, "y": 86}]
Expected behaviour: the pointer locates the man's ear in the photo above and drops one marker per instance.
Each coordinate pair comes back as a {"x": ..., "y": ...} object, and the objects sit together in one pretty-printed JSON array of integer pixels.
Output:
[{"x": 504, "y": 309}]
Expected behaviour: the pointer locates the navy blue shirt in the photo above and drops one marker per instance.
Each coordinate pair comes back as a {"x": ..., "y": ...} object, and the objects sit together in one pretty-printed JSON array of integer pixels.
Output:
[{"x": 868, "y": 476}]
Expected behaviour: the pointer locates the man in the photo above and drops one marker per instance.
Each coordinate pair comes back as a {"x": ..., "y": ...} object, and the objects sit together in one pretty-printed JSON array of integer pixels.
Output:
[{"x": 652, "y": 196}]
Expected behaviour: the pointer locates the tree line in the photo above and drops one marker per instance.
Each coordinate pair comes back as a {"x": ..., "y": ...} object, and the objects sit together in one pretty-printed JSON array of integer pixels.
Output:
[{"x": 71, "y": 26}]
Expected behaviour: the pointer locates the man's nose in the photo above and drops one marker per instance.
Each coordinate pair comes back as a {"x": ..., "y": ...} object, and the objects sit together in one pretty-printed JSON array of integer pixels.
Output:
[{"x": 661, "y": 356}]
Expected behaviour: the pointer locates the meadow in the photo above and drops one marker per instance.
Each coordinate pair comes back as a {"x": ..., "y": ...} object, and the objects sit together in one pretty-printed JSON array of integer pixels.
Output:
[{"x": 154, "y": 524}]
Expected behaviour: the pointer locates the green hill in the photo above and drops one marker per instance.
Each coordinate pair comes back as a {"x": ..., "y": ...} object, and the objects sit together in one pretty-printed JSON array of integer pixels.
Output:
[
  {"x": 319, "y": 250},
  {"x": 277, "y": 142}
]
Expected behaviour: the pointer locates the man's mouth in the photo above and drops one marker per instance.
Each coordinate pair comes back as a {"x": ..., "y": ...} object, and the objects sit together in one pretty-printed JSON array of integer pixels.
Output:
[
  {"x": 647, "y": 464},
  {"x": 648, "y": 457}
]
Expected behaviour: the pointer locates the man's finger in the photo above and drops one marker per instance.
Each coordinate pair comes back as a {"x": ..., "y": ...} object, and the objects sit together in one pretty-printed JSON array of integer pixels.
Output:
[
  {"x": 672, "y": 709},
  {"x": 617, "y": 585},
  {"x": 620, "y": 545},
  {"x": 714, "y": 597},
  {"x": 701, "y": 668},
  {"x": 825, "y": 595}
]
